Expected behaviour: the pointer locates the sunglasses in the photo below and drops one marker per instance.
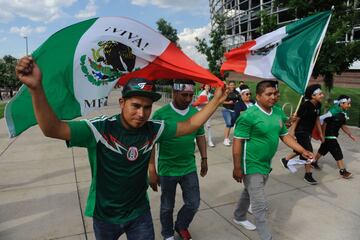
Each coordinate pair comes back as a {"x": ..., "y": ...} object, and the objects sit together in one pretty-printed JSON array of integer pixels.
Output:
[{"x": 248, "y": 94}]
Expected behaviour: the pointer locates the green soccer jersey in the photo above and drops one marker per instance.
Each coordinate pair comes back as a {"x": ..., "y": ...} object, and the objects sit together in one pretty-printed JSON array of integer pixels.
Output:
[
  {"x": 176, "y": 156},
  {"x": 261, "y": 131},
  {"x": 283, "y": 115},
  {"x": 119, "y": 160}
]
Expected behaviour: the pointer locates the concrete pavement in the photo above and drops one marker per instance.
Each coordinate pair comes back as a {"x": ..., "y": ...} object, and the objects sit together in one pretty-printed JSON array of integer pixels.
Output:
[{"x": 43, "y": 190}]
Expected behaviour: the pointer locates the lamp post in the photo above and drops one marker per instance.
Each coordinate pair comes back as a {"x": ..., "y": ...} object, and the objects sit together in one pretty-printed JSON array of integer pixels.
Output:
[{"x": 26, "y": 41}]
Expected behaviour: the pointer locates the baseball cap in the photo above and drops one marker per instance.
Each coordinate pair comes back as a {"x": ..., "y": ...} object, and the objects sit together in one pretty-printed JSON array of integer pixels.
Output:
[{"x": 140, "y": 87}]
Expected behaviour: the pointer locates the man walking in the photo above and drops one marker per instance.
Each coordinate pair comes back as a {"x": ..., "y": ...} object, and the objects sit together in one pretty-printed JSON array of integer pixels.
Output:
[
  {"x": 176, "y": 163},
  {"x": 256, "y": 140},
  {"x": 119, "y": 149}
]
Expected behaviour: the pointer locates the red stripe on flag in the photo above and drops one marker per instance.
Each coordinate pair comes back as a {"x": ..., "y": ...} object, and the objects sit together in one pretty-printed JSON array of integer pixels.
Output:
[
  {"x": 236, "y": 58},
  {"x": 202, "y": 99},
  {"x": 174, "y": 64}
]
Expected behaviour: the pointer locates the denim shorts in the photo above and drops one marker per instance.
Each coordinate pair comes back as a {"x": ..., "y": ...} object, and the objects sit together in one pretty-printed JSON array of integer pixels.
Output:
[{"x": 229, "y": 117}]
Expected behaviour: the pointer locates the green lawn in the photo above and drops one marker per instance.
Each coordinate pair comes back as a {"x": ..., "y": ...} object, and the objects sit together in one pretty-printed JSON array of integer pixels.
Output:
[
  {"x": 2, "y": 108},
  {"x": 289, "y": 96}
]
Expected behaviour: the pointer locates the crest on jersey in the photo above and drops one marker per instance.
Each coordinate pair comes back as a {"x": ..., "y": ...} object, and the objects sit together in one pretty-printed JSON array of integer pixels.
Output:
[{"x": 132, "y": 153}]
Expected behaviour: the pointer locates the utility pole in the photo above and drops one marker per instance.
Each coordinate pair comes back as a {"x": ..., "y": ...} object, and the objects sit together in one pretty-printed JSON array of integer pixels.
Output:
[{"x": 27, "y": 48}]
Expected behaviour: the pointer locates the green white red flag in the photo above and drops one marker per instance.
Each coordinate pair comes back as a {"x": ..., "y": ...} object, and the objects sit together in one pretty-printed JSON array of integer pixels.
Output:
[
  {"x": 288, "y": 53},
  {"x": 82, "y": 63}
]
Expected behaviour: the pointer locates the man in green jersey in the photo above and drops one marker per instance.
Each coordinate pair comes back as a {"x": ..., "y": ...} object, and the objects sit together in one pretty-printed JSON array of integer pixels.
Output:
[
  {"x": 256, "y": 140},
  {"x": 119, "y": 149},
  {"x": 176, "y": 163}
]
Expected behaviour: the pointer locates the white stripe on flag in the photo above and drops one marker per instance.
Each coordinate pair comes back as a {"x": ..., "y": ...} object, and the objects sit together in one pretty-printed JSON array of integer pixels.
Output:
[{"x": 260, "y": 65}]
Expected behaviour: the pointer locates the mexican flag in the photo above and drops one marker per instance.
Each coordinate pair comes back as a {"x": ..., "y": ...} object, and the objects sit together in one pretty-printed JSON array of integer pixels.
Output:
[
  {"x": 82, "y": 63},
  {"x": 288, "y": 53}
]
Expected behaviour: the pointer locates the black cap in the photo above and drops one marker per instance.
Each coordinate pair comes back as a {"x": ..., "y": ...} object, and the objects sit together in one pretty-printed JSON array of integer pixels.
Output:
[{"x": 140, "y": 87}]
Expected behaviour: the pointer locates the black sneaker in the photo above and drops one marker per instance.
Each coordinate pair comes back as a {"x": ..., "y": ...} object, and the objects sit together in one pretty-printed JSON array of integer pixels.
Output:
[
  {"x": 315, "y": 165},
  {"x": 345, "y": 174},
  {"x": 309, "y": 179},
  {"x": 284, "y": 162}
]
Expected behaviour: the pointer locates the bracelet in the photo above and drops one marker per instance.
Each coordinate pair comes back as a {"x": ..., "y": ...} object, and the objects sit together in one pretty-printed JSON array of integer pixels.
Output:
[{"x": 203, "y": 158}]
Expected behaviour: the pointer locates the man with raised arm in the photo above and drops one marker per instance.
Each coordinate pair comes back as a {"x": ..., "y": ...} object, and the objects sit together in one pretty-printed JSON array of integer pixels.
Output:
[{"x": 119, "y": 149}]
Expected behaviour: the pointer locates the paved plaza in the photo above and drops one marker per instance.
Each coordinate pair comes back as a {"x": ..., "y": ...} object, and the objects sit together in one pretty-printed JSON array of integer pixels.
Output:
[{"x": 44, "y": 185}]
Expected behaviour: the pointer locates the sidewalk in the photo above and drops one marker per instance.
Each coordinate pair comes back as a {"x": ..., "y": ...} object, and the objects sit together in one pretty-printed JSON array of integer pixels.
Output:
[{"x": 43, "y": 190}]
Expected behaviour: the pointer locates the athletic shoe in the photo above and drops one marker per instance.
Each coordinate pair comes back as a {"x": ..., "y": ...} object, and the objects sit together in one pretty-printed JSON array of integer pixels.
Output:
[
  {"x": 284, "y": 162},
  {"x": 345, "y": 174},
  {"x": 227, "y": 142},
  {"x": 315, "y": 165},
  {"x": 170, "y": 238},
  {"x": 211, "y": 144},
  {"x": 246, "y": 224},
  {"x": 184, "y": 234},
  {"x": 309, "y": 179},
  {"x": 250, "y": 209}
]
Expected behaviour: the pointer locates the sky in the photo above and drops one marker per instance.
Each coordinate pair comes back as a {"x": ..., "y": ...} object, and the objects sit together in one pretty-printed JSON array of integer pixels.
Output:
[{"x": 39, "y": 19}]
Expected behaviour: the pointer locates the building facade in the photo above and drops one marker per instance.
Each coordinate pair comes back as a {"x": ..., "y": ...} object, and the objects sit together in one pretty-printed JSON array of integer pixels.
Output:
[{"x": 243, "y": 19}]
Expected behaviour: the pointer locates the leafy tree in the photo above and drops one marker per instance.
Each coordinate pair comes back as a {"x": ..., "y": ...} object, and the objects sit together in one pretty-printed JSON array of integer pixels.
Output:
[
  {"x": 214, "y": 50},
  {"x": 269, "y": 22},
  {"x": 8, "y": 76},
  {"x": 336, "y": 54},
  {"x": 168, "y": 31}
]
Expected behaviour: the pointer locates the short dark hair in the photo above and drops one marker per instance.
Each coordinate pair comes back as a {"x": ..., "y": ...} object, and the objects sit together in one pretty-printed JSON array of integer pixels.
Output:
[
  {"x": 261, "y": 86},
  {"x": 310, "y": 90},
  {"x": 184, "y": 81},
  {"x": 342, "y": 96},
  {"x": 232, "y": 81},
  {"x": 244, "y": 86}
]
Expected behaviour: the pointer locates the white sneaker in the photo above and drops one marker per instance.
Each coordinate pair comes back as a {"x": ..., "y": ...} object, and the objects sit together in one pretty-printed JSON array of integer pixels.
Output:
[
  {"x": 246, "y": 224},
  {"x": 227, "y": 142},
  {"x": 170, "y": 238},
  {"x": 211, "y": 144},
  {"x": 250, "y": 209}
]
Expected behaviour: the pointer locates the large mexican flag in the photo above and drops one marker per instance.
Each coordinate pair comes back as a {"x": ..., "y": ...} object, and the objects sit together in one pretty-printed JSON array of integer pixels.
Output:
[
  {"x": 81, "y": 64},
  {"x": 288, "y": 53}
]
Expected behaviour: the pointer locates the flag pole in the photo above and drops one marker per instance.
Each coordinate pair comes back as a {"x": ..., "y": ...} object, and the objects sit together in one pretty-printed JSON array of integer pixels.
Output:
[{"x": 315, "y": 59}]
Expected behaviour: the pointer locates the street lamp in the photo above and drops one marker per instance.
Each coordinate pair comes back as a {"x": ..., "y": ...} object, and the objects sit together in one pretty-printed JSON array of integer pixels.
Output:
[{"x": 26, "y": 41}]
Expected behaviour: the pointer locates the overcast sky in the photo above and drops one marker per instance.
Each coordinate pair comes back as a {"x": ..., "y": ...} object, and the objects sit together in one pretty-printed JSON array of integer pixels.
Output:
[{"x": 39, "y": 19}]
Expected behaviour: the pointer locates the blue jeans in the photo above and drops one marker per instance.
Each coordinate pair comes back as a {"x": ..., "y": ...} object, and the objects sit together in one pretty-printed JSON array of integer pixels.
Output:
[
  {"x": 191, "y": 195},
  {"x": 254, "y": 193},
  {"x": 141, "y": 228},
  {"x": 229, "y": 117}
]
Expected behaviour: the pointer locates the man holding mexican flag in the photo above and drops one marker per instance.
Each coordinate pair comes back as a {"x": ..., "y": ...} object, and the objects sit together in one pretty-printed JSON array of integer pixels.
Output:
[{"x": 119, "y": 149}]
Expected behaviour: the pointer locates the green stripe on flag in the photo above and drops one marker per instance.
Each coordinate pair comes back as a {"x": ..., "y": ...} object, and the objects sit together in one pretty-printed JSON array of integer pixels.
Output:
[
  {"x": 55, "y": 59},
  {"x": 295, "y": 54}
]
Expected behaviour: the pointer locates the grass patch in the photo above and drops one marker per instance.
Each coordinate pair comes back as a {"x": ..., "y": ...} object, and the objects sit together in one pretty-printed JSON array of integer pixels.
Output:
[{"x": 2, "y": 108}]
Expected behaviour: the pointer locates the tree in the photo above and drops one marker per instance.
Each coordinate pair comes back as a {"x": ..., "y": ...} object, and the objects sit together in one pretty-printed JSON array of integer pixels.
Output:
[
  {"x": 214, "y": 51},
  {"x": 168, "y": 31},
  {"x": 8, "y": 76},
  {"x": 269, "y": 22},
  {"x": 336, "y": 54}
]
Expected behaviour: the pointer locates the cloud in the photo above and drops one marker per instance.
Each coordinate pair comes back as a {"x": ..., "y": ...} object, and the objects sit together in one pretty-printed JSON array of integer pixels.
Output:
[
  {"x": 40, "y": 29},
  {"x": 187, "y": 42},
  {"x": 27, "y": 30},
  {"x": 22, "y": 31},
  {"x": 193, "y": 5},
  {"x": 36, "y": 10},
  {"x": 88, "y": 12},
  {"x": 3, "y": 39},
  {"x": 5, "y": 16}
]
